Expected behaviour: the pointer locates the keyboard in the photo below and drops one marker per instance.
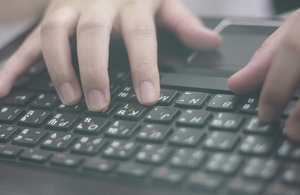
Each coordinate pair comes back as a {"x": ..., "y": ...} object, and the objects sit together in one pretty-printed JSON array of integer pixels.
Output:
[{"x": 199, "y": 137}]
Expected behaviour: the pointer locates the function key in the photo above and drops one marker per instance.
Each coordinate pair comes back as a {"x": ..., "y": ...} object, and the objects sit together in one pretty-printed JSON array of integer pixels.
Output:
[
  {"x": 223, "y": 102},
  {"x": 17, "y": 98},
  {"x": 161, "y": 114},
  {"x": 167, "y": 96},
  {"x": 192, "y": 99},
  {"x": 45, "y": 101}
]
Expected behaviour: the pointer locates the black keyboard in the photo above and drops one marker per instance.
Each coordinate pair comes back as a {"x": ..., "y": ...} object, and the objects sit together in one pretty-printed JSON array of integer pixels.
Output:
[{"x": 194, "y": 139}]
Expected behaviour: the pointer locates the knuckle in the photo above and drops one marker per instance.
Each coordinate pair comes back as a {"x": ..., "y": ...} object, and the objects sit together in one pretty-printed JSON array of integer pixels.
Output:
[
  {"x": 51, "y": 24},
  {"x": 89, "y": 24},
  {"x": 141, "y": 31}
]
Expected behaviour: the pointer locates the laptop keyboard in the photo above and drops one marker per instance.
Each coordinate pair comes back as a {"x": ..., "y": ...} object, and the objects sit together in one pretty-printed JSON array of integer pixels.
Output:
[{"x": 197, "y": 140}]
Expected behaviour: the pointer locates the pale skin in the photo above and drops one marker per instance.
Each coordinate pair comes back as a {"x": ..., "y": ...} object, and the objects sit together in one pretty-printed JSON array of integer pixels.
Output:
[{"x": 275, "y": 67}]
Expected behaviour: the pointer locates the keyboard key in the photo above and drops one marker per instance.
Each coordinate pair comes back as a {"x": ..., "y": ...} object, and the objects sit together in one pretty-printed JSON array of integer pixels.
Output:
[
  {"x": 133, "y": 169},
  {"x": 205, "y": 181},
  {"x": 6, "y": 132},
  {"x": 291, "y": 174},
  {"x": 100, "y": 165},
  {"x": 188, "y": 158},
  {"x": 34, "y": 118},
  {"x": 254, "y": 126},
  {"x": 91, "y": 125},
  {"x": 130, "y": 111},
  {"x": 58, "y": 141},
  {"x": 192, "y": 99},
  {"x": 227, "y": 121},
  {"x": 62, "y": 121},
  {"x": 154, "y": 133},
  {"x": 187, "y": 137},
  {"x": 41, "y": 84},
  {"x": 279, "y": 188},
  {"x": 126, "y": 94},
  {"x": 249, "y": 106},
  {"x": 168, "y": 175},
  {"x": 66, "y": 160},
  {"x": 288, "y": 150},
  {"x": 17, "y": 98},
  {"x": 258, "y": 168},
  {"x": 29, "y": 137},
  {"x": 88, "y": 145},
  {"x": 153, "y": 154},
  {"x": 227, "y": 164},
  {"x": 257, "y": 145},
  {"x": 161, "y": 114},
  {"x": 223, "y": 102},
  {"x": 45, "y": 101},
  {"x": 72, "y": 109},
  {"x": 223, "y": 141},
  {"x": 194, "y": 118},
  {"x": 120, "y": 149},
  {"x": 9, "y": 151},
  {"x": 167, "y": 96},
  {"x": 9, "y": 114},
  {"x": 245, "y": 187},
  {"x": 121, "y": 129},
  {"x": 105, "y": 113},
  {"x": 36, "y": 155}
]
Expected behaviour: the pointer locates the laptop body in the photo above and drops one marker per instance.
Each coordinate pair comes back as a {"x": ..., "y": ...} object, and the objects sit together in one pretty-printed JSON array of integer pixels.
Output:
[{"x": 220, "y": 152}]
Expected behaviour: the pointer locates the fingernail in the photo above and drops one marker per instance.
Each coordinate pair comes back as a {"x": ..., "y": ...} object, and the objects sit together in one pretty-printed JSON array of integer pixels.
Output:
[
  {"x": 67, "y": 93},
  {"x": 95, "y": 100},
  {"x": 147, "y": 92},
  {"x": 267, "y": 113}
]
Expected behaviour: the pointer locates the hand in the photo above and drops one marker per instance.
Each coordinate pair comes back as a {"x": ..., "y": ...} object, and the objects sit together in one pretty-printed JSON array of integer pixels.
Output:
[
  {"x": 93, "y": 21},
  {"x": 276, "y": 68}
]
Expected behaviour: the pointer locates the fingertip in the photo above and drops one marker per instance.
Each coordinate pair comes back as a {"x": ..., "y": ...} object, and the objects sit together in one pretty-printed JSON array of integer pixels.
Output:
[
  {"x": 69, "y": 93},
  {"x": 147, "y": 94}
]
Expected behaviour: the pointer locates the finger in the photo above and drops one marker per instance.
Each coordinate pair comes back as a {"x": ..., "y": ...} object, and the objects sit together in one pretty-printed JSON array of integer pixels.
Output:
[
  {"x": 20, "y": 61},
  {"x": 93, "y": 35},
  {"x": 55, "y": 33},
  {"x": 292, "y": 124},
  {"x": 138, "y": 29},
  {"x": 175, "y": 16},
  {"x": 282, "y": 78}
]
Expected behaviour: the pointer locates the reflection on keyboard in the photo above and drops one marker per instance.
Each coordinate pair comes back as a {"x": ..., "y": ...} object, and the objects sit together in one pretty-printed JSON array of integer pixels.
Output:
[{"x": 192, "y": 139}]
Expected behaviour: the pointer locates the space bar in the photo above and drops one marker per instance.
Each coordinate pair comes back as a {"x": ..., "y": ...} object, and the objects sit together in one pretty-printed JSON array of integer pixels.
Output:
[{"x": 194, "y": 82}]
